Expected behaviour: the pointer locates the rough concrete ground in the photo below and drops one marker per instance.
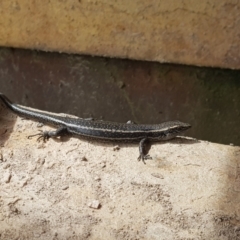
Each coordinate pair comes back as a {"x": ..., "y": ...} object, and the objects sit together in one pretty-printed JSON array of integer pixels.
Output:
[{"x": 73, "y": 189}]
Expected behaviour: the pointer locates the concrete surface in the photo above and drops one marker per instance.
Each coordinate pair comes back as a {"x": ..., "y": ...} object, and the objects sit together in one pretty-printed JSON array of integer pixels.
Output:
[
  {"x": 73, "y": 189},
  {"x": 203, "y": 33}
]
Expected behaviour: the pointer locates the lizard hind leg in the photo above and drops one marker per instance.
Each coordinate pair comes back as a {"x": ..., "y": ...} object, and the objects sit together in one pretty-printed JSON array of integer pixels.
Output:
[{"x": 45, "y": 135}]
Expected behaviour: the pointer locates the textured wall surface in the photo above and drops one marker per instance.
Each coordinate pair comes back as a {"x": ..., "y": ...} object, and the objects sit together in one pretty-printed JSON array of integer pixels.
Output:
[
  {"x": 122, "y": 90},
  {"x": 204, "y": 33}
]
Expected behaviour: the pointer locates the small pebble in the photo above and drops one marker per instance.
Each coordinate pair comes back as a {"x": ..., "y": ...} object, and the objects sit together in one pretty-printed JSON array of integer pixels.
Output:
[
  {"x": 116, "y": 148},
  {"x": 157, "y": 175},
  {"x": 94, "y": 204},
  {"x": 84, "y": 159},
  {"x": 65, "y": 187},
  {"x": 7, "y": 177}
]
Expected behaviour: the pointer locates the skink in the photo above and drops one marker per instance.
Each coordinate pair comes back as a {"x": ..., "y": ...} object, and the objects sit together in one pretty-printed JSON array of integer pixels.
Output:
[{"x": 100, "y": 130}]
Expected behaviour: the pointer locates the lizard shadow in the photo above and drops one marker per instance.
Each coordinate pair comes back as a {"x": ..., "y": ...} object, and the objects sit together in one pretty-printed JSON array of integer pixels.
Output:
[
  {"x": 176, "y": 140},
  {"x": 147, "y": 147},
  {"x": 182, "y": 140}
]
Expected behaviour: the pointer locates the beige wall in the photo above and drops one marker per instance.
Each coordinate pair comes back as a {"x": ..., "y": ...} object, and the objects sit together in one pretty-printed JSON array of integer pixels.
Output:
[{"x": 204, "y": 33}]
